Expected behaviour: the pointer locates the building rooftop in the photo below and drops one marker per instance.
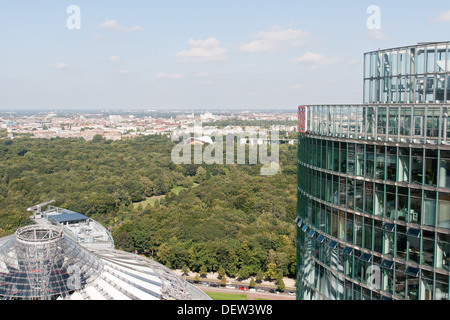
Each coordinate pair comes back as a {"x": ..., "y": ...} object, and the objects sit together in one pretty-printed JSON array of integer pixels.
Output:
[
  {"x": 64, "y": 255},
  {"x": 68, "y": 217}
]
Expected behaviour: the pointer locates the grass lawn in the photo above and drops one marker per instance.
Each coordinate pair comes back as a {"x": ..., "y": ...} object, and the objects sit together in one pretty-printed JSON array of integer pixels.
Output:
[
  {"x": 177, "y": 190},
  {"x": 226, "y": 295},
  {"x": 151, "y": 200}
]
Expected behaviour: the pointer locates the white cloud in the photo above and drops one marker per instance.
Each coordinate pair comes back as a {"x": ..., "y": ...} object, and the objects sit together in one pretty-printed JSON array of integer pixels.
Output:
[
  {"x": 123, "y": 72},
  {"x": 60, "y": 66},
  {"x": 207, "y": 50},
  {"x": 297, "y": 86},
  {"x": 276, "y": 40},
  {"x": 202, "y": 75},
  {"x": 377, "y": 34},
  {"x": 207, "y": 43},
  {"x": 163, "y": 75},
  {"x": 442, "y": 17},
  {"x": 115, "y": 26},
  {"x": 316, "y": 60},
  {"x": 113, "y": 58}
]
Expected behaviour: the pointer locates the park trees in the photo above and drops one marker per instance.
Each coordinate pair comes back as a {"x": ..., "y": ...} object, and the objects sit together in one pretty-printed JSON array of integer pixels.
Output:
[{"x": 232, "y": 218}]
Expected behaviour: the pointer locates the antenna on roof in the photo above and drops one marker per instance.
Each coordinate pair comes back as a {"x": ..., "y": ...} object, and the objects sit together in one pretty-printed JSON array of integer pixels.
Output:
[{"x": 37, "y": 208}]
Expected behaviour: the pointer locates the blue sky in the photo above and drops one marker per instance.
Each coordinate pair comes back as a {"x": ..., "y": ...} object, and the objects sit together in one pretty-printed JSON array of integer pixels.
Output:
[{"x": 199, "y": 54}]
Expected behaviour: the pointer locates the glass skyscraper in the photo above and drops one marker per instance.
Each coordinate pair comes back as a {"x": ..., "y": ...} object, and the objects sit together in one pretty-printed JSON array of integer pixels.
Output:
[{"x": 373, "y": 211}]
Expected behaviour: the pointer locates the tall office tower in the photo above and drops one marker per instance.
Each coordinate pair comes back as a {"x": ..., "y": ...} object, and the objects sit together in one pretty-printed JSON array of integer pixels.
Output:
[{"x": 373, "y": 211}]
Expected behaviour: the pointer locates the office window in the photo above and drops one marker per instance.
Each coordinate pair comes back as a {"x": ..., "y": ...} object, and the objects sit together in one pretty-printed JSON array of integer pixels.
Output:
[
  {"x": 368, "y": 196},
  {"x": 405, "y": 123},
  {"x": 359, "y": 195},
  {"x": 360, "y": 160},
  {"x": 348, "y": 262},
  {"x": 391, "y": 164},
  {"x": 426, "y": 285},
  {"x": 358, "y": 230},
  {"x": 349, "y": 228},
  {"x": 401, "y": 242},
  {"x": 378, "y": 205},
  {"x": 411, "y": 271},
  {"x": 400, "y": 280},
  {"x": 370, "y": 161},
  {"x": 431, "y": 167},
  {"x": 347, "y": 250},
  {"x": 351, "y": 159},
  {"x": 365, "y": 256},
  {"x": 320, "y": 238},
  {"x": 416, "y": 205},
  {"x": 367, "y": 233},
  {"x": 387, "y": 264},
  {"x": 444, "y": 168},
  {"x": 403, "y": 203},
  {"x": 418, "y": 123},
  {"x": 391, "y": 202},
  {"x": 428, "y": 248},
  {"x": 414, "y": 245},
  {"x": 329, "y": 156},
  {"x": 343, "y": 157},
  {"x": 429, "y": 208},
  {"x": 394, "y": 117},
  {"x": 413, "y": 232},
  {"x": 430, "y": 60},
  {"x": 378, "y": 236},
  {"x": 443, "y": 251},
  {"x": 381, "y": 123},
  {"x": 332, "y": 244},
  {"x": 417, "y": 166},
  {"x": 336, "y": 156},
  {"x": 370, "y": 128},
  {"x": 380, "y": 164},
  {"x": 433, "y": 115},
  {"x": 388, "y": 239},
  {"x": 412, "y": 285},
  {"x": 441, "y": 284},
  {"x": 443, "y": 216}
]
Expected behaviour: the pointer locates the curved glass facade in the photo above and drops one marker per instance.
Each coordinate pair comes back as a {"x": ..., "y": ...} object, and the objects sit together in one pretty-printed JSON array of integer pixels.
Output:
[
  {"x": 373, "y": 211},
  {"x": 413, "y": 74}
]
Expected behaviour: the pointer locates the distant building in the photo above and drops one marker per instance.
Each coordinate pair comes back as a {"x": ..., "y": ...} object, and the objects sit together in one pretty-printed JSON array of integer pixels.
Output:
[
  {"x": 207, "y": 116},
  {"x": 373, "y": 211},
  {"x": 112, "y": 135},
  {"x": 199, "y": 140}
]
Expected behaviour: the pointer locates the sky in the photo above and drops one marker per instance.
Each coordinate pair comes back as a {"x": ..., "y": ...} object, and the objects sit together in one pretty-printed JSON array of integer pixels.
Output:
[{"x": 199, "y": 54}]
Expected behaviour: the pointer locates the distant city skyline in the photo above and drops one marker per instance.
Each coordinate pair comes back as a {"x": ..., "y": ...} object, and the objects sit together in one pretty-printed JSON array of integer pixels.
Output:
[{"x": 202, "y": 55}]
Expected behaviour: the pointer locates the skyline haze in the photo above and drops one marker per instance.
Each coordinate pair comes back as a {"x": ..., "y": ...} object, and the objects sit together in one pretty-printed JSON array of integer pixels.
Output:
[{"x": 199, "y": 54}]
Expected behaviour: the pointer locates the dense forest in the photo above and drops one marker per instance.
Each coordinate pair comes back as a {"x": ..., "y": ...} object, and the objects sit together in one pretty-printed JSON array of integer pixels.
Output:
[{"x": 225, "y": 218}]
